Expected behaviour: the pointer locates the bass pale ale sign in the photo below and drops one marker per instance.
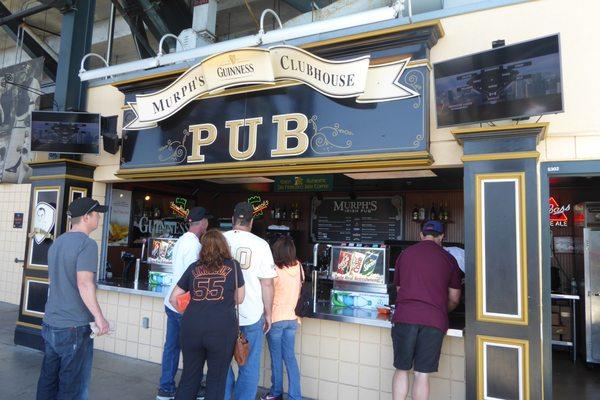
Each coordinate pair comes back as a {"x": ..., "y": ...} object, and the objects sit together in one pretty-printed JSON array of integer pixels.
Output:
[{"x": 353, "y": 78}]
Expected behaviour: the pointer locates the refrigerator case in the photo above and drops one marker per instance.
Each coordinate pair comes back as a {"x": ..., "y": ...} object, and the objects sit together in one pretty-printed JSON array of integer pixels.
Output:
[
  {"x": 359, "y": 276},
  {"x": 591, "y": 240},
  {"x": 587, "y": 272}
]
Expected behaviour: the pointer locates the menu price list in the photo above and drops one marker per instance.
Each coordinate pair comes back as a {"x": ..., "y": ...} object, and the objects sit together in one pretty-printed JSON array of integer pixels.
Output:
[{"x": 357, "y": 229}]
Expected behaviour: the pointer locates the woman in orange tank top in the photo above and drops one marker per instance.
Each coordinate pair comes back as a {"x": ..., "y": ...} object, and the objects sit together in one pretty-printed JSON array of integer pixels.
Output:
[{"x": 281, "y": 337}]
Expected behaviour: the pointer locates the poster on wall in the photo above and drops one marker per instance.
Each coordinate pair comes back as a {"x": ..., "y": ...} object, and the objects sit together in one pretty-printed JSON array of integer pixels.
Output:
[
  {"x": 120, "y": 216},
  {"x": 43, "y": 226},
  {"x": 19, "y": 95}
]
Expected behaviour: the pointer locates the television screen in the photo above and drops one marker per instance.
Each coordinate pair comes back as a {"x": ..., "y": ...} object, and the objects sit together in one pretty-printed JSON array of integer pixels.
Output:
[
  {"x": 65, "y": 132},
  {"x": 516, "y": 81}
]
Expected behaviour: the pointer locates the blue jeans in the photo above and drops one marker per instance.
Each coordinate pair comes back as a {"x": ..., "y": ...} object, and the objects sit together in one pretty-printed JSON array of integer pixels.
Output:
[
  {"x": 67, "y": 365},
  {"x": 171, "y": 350},
  {"x": 247, "y": 382},
  {"x": 281, "y": 346}
]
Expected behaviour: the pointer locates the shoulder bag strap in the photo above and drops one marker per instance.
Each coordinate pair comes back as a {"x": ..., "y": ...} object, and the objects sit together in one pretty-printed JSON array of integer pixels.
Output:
[
  {"x": 302, "y": 277},
  {"x": 237, "y": 306}
]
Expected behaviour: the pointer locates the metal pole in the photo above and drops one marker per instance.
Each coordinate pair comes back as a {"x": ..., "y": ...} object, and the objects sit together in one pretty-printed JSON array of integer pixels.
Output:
[{"x": 111, "y": 33}]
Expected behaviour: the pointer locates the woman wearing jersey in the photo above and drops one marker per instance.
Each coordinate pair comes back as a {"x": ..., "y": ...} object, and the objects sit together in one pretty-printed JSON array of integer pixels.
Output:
[{"x": 209, "y": 325}]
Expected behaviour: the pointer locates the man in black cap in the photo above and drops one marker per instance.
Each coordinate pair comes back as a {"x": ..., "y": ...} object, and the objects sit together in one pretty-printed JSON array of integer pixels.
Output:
[
  {"x": 185, "y": 253},
  {"x": 71, "y": 306},
  {"x": 258, "y": 267}
]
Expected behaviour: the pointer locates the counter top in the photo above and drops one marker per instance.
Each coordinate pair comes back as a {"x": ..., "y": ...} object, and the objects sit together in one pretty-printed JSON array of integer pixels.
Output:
[
  {"x": 143, "y": 288},
  {"x": 326, "y": 311},
  {"x": 564, "y": 296}
]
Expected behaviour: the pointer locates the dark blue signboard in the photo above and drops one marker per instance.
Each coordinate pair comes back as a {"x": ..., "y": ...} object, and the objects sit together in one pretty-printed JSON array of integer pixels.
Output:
[{"x": 335, "y": 127}]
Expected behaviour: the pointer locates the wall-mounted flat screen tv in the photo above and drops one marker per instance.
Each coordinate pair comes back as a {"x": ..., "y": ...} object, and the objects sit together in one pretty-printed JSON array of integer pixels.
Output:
[
  {"x": 516, "y": 81},
  {"x": 65, "y": 132}
]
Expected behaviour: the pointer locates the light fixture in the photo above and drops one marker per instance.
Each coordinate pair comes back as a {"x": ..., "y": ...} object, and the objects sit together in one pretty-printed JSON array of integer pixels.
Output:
[
  {"x": 373, "y": 16},
  {"x": 147, "y": 197},
  {"x": 121, "y": 195},
  {"x": 418, "y": 173}
]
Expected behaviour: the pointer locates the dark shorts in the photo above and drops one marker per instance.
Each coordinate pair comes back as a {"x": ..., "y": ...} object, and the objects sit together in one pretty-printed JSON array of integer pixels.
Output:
[{"x": 418, "y": 343}]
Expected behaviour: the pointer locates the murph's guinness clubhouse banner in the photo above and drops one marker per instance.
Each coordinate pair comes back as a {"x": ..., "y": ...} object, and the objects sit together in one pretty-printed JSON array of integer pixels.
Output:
[{"x": 338, "y": 79}]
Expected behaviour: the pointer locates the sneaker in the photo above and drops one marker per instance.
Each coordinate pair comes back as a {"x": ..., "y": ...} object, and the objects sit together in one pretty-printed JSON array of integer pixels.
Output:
[
  {"x": 162, "y": 395},
  {"x": 269, "y": 396}
]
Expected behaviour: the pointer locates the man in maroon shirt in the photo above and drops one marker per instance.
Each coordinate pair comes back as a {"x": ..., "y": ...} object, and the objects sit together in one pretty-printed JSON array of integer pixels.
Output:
[{"x": 427, "y": 279}]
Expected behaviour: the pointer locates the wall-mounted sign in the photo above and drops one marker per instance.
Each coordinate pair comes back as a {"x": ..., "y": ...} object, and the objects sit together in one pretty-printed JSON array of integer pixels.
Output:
[
  {"x": 178, "y": 207},
  {"x": 304, "y": 183},
  {"x": 18, "y": 220},
  {"x": 120, "y": 216},
  {"x": 43, "y": 222},
  {"x": 258, "y": 205},
  {"x": 282, "y": 125},
  {"x": 558, "y": 216},
  {"x": 352, "y": 78},
  {"x": 360, "y": 220},
  {"x": 43, "y": 225}
]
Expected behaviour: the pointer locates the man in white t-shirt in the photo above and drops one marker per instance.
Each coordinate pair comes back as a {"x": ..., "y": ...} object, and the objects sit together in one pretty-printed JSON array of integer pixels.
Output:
[
  {"x": 258, "y": 267},
  {"x": 186, "y": 252},
  {"x": 459, "y": 255}
]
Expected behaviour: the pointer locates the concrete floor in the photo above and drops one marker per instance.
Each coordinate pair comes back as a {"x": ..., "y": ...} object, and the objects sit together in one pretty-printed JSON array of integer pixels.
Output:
[{"x": 119, "y": 377}]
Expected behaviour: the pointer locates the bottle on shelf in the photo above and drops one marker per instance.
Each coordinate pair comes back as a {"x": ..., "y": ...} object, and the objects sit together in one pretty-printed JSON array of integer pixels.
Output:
[
  {"x": 295, "y": 211},
  {"x": 277, "y": 213},
  {"x": 284, "y": 213},
  {"x": 441, "y": 211},
  {"x": 422, "y": 214},
  {"x": 432, "y": 212},
  {"x": 415, "y": 213},
  {"x": 446, "y": 211},
  {"x": 108, "y": 272}
]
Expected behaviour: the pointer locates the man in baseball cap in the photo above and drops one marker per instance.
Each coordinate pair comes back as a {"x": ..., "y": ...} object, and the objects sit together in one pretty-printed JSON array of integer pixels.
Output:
[
  {"x": 428, "y": 284},
  {"x": 185, "y": 253},
  {"x": 254, "y": 255},
  {"x": 72, "y": 306},
  {"x": 85, "y": 205}
]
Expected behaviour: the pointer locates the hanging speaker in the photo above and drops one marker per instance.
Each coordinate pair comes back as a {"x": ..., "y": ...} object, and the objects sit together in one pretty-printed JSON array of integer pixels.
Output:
[{"x": 111, "y": 142}]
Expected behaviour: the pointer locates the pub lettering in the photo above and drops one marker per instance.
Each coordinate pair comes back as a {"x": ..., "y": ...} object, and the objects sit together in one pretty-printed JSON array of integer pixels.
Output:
[
  {"x": 289, "y": 126},
  {"x": 243, "y": 69},
  {"x": 355, "y": 206},
  {"x": 339, "y": 80},
  {"x": 185, "y": 91}
]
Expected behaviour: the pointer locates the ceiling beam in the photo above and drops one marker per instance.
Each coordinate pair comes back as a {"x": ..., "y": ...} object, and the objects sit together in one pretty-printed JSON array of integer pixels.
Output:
[{"x": 30, "y": 44}]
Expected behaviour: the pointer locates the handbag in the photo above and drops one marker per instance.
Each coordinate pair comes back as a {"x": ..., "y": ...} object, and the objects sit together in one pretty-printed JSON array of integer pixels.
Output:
[
  {"x": 242, "y": 347},
  {"x": 182, "y": 301},
  {"x": 303, "y": 306}
]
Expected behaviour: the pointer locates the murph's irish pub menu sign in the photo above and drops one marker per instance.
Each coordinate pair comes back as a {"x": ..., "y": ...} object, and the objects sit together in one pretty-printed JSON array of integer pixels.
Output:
[{"x": 305, "y": 107}]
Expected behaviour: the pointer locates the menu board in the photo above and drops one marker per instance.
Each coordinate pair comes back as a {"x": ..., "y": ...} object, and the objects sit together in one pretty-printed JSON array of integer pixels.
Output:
[
  {"x": 358, "y": 264},
  {"x": 360, "y": 220}
]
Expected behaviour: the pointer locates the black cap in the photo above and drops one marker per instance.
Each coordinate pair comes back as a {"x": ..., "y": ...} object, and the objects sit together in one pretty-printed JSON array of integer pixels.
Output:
[
  {"x": 85, "y": 205},
  {"x": 243, "y": 211},
  {"x": 432, "y": 226},
  {"x": 198, "y": 214}
]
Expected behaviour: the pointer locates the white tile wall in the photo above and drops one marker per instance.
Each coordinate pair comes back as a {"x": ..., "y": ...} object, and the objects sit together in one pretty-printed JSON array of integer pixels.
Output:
[
  {"x": 337, "y": 360},
  {"x": 13, "y": 198}
]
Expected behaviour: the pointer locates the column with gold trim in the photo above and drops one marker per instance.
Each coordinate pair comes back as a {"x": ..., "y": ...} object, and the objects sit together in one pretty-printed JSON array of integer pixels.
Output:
[
  {"x": 54, "y": 185},
  {"x": 506, "y": 353}
]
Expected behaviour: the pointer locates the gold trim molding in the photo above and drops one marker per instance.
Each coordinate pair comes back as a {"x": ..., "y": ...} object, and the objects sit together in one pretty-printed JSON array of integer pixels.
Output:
[
  {"x": 501, "y": 156},
  {"x": 60, "y": 160},
  {"x": 60, "y": 176},
  {"x": 28, "y": 325},
  {"x": 462, "y": 133},
  {"x": 280, "y": 167},
  {"x": 520, "y": 187},
  {"x": 501, "y": 341}
]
